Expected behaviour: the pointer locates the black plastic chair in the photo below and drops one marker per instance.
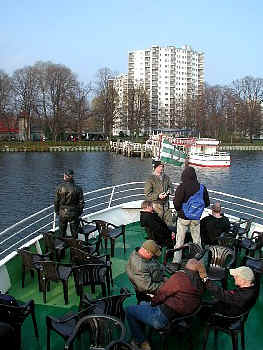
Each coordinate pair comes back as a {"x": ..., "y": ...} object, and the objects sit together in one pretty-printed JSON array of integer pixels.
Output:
[
  {"x": 189, "y": 251},
  {"x": 252, "y": 244},
  {"x": 54, "y": 245},
  {"x": 255, "y": 264},
  {"x": 65, "y": 324},
  {"x": 101, "y": 330},
  {"x": 88, "y": 229},
  {"x": 29, "y": 263},
  {"x": 181, "y": 324},
  {"x": 94, "y": 275},
  {"x": 54, "y": 271},
  {"x": 15, "y": 315},
  {"x": 79, "y": 244},
  {"x": 110, "y": 231},
  {"x": 220, "y": 260},
  {"x": 111, "y": 305},
  {"x": 232, "y": 325}
]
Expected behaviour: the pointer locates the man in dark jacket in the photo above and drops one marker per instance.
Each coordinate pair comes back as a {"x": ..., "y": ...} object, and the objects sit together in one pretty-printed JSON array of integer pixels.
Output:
[
  {"x": 179, "y": 295},
  {"x": 213, "y": 225},
  {"x": 236, "y": 301},
  {"x": 155, "y": 227},
  {"x": 184, "y": 191},
  {"x": 69, "y": 204}
]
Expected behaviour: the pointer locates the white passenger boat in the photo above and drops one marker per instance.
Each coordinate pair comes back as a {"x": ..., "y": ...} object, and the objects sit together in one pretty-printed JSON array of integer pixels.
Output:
[{"x": 199, "y": 151}]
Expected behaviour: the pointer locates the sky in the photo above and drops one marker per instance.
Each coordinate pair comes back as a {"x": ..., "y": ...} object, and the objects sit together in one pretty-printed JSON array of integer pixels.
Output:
[{"x": 89, "y": 35}]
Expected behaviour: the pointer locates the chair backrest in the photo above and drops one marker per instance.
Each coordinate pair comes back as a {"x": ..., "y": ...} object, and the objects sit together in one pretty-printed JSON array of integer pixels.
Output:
[
  {"x": 101, "y": 330},
  {"x": 112, "y": 305},
  {"x": 244, "y": 227},
  {"x": 49, "y": 269},
  {"x": 257, "y": 238},
  {"x": 29, "y": 258},
  {"x": 226, "y": 240},
  {"x": 221, "y": 257},
  {"x": 15, "y": 314},
  {"x": 228, "y": 322},
  {"x": 189, "y": 251}
]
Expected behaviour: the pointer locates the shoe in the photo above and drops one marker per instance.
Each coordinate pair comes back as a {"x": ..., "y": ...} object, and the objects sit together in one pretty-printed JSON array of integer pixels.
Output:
[{"x": 145, "y": 345}]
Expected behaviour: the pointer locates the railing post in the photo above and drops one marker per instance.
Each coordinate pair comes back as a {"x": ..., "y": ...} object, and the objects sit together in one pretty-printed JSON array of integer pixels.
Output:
[
  {"x": 54, "y": 221},
  {"x": 112, "y": 192}
]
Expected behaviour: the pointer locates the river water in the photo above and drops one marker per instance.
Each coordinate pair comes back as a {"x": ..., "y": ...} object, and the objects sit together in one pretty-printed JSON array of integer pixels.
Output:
[{"x": 28, "y": 180}]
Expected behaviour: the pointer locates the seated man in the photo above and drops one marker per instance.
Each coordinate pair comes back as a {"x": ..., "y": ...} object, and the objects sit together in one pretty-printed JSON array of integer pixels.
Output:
[
  {"x": 237, "y": 301},
  {"x": 179, "y": 295},
  {"x": 213, "y": 225},
  {"x": 144, "y": 270},
  {"x": 155, "y": 227}
]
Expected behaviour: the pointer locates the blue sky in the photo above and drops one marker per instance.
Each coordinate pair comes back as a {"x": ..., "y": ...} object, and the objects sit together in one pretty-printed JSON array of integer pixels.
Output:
[{"x": 88, "y": 35}]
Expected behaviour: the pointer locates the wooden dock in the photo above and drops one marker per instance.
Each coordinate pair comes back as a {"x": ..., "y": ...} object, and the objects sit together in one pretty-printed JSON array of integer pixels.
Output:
[{"x": 132, "y": 149}]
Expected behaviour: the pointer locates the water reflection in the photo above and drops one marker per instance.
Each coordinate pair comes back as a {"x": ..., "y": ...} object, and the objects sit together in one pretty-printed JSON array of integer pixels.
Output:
[{"x": 28, "y": 180}]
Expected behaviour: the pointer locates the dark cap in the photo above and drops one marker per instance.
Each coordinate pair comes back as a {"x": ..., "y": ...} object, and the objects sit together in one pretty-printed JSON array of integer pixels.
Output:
[
  {"x": 156, "y": 163},
  {"x": 69, "y": 172}
]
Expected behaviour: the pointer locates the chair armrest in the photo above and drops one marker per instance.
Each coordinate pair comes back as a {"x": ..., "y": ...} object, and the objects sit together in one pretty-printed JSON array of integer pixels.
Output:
[{"x": 68, "y": 317}]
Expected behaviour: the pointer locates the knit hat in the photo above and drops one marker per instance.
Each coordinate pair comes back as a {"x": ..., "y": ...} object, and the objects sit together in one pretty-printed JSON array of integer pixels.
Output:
[
  {"x": 152, "y": 247},
  {"x": 156, "y": 163},
  {"x": 243, "y": 272},
  {"x": 69, "y": 172}
]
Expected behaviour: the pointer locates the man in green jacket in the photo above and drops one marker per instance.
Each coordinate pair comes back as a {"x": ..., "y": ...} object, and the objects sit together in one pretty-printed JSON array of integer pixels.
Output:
[
  {"x": 157, "y": 189},
  {"x": 144, "y": 270}
]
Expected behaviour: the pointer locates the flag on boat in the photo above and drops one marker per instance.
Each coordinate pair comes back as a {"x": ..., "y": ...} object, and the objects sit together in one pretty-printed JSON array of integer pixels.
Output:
[{"x": 170, "y": 154}]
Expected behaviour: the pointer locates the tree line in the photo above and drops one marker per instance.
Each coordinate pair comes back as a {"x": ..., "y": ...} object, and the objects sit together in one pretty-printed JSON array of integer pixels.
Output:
[{"x": 51, "y": 95}]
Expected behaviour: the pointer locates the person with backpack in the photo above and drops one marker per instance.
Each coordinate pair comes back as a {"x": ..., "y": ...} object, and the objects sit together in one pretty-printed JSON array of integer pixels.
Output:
[{"x": 190, "y": 199}]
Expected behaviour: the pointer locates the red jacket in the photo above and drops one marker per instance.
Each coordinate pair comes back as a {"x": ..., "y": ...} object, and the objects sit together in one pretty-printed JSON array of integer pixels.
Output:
[{"x": 181, "y": 292}]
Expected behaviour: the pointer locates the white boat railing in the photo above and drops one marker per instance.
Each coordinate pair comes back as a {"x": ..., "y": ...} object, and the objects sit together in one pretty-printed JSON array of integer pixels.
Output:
[{"x": 29, "y": 230}]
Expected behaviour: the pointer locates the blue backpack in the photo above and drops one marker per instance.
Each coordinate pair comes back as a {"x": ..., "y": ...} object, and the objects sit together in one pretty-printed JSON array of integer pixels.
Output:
[{"x": 195, "y": 205}]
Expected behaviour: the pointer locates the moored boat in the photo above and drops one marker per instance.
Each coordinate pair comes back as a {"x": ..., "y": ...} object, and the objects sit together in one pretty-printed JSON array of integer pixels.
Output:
[{"x": 199, "y": 151}]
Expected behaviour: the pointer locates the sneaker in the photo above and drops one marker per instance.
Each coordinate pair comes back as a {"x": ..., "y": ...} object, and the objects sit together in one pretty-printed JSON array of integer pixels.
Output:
[{"x": 145, "y": 345}]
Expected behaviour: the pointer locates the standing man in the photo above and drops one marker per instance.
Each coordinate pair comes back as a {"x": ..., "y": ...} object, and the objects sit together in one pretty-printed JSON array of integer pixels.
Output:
[
  {"x": 157, "y": 189},
  {"x": 69, "y": 204},
  {"x": 188, "y": 187}
]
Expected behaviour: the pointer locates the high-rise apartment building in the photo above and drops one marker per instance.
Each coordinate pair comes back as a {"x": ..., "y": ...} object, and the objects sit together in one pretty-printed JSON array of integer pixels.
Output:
[{"x": 169, "y": 75}]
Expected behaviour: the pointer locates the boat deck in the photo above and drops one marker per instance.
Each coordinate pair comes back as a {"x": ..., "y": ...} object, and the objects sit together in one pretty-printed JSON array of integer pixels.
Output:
[{"x": 55, "y": 303}]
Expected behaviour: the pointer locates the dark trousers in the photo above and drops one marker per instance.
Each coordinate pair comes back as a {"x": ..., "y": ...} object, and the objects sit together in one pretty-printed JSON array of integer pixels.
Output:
[{"x": 73, "y": 223}]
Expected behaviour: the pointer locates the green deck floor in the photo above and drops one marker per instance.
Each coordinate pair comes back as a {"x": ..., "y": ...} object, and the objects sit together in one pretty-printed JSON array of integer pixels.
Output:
[{"x": 55, "y": 303}]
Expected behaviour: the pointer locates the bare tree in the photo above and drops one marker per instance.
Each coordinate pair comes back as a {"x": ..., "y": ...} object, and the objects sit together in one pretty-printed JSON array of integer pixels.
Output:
[
  {"x": 249, "y": 94},
  {"x": 5, "y": 94},
  {"x": 56, "y": 86},
  {"x": 137, "y": 104},
  {"x": 106, "y": 99},
  {"x": 25, "y": 92}
]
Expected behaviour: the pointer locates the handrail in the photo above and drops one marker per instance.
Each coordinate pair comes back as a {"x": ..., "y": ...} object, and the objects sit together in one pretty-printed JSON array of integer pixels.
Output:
[{"x": 34, "y": 225}]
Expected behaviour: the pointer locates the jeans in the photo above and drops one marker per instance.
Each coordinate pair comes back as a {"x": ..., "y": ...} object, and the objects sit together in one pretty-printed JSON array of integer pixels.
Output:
[{"x": 144, "y": 314}]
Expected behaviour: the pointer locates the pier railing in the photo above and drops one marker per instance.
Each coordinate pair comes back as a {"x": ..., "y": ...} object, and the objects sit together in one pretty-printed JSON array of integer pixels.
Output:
[{"x": 29, "y": 230}]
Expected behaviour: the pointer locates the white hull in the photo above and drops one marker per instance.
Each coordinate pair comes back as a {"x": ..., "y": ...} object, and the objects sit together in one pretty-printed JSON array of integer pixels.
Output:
[{"x": 217, "y": 160}]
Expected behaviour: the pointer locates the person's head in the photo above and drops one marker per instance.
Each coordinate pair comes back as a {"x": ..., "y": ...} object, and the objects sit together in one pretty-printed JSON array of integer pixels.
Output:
[
  {"x": 147, "y": 206},
  {"x": 243, "y": 276},
  {"x": 152, "y": 247},
  {"x": 68, "y": 175},
  {"x": 189, "y": 174},
  {"x": 158, "y": 167},
  {"x": 216, "y": 208},
  {"x": 196, "y": 265}
]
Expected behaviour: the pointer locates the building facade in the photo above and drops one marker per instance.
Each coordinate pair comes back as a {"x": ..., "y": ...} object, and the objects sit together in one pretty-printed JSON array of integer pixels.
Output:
[{"x": 169, "y": 75}]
